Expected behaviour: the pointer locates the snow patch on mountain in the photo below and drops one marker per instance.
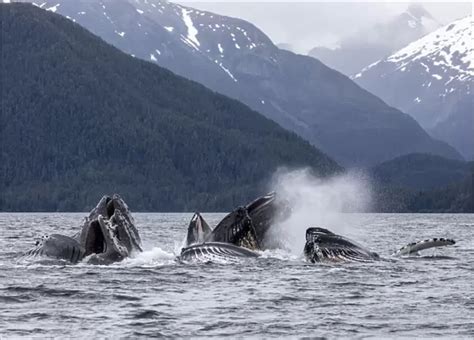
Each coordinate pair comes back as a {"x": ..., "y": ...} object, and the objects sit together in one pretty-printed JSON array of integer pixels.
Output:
[
  {"x": 192, "y": 31},
  {"x": 449, "y": 47},
  {"x": 53, "y": 8},
  {"x": 442, "y": 46}
]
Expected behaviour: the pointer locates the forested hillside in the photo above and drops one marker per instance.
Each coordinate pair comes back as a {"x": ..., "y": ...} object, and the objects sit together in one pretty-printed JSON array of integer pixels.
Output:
[
  {"x": 80, "y": 118},
  {"x": 423, "y": 183},
  {"x": 421, "y": 171}
]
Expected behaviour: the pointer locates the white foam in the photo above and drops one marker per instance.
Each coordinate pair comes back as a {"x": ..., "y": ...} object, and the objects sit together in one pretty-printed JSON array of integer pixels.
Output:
[
  {"x": 280, "y": 254},
  {"x": 150, "y": 258}
]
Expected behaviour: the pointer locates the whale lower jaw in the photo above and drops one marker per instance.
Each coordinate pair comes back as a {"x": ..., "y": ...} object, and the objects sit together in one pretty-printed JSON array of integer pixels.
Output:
[{"x": 215, "y": 252}]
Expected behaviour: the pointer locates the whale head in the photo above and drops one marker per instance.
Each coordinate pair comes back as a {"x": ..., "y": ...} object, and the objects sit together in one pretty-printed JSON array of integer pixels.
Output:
[
  {"x": 198, "y": 230},
  {"x": 322, "y": 245},
  {"x": 109, "y": 233}
]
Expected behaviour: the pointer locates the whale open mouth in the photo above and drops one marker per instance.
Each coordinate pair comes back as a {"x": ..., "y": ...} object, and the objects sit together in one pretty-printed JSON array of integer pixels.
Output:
[{"x": 95, "y": 240}]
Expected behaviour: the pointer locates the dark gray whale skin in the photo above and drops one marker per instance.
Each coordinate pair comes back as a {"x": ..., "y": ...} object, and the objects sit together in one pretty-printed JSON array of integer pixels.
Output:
[
  {"x": 237, "y": 235},
  {"x": 236, "y": 228},
  {"x": 246, "y": 226},
  {"x": 322, "y": 245},
  {"x": 107, "y": 235},
  {"x": 58, "y": 246}
]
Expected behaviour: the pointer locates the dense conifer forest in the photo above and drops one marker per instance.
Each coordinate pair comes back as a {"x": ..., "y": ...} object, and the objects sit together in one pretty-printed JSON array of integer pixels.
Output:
[
  {"x": 80, "y": 119},
  {"x": 423, "y": 183}
]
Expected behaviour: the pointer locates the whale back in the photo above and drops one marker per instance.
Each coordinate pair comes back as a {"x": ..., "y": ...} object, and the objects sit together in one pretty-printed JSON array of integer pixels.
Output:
[
  {"x": 109, "y": 233},
  {"x": 59, "y": 247},
  {"x": 323, "y": 245},
  {"x": 415, "y": 247}
]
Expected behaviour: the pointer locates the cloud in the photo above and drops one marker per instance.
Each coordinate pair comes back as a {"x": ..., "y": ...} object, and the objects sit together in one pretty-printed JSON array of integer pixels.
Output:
[{"x": 307, "y": 24}]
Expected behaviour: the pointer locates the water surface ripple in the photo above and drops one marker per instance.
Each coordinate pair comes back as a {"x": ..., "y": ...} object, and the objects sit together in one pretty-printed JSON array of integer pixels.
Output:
[{"x": 276, "y": 295}]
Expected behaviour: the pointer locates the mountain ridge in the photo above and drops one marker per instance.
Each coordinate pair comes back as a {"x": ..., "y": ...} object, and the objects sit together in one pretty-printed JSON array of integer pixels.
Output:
[
  {"x": 431, "y": 79},
  {"x": 367, "y": 46},
  {"x": 83, "y": 118},
  {"x": 233, "y": 57}
]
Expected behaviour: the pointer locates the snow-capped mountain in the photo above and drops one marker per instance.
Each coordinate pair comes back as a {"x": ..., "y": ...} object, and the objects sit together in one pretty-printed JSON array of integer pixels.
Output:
[
  {"x": 233, "y": 57},
  {"x": 365, "y": 47},
  {"x": 167, "y": 33},
  {"x": 432, "y": 80}
]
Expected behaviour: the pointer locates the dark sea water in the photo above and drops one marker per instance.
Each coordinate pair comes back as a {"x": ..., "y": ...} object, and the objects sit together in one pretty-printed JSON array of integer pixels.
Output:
[{"x": 276, "y": 295}]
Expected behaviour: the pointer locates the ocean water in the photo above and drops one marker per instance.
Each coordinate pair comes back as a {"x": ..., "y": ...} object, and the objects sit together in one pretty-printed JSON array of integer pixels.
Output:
[{"x": 276, "y": 295}]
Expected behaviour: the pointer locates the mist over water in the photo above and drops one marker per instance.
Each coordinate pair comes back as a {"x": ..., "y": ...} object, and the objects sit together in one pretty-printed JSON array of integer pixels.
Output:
[{"x": 317, "y": 202}]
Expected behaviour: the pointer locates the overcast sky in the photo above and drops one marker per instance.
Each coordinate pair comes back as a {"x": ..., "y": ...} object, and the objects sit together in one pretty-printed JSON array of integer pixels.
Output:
[{"x": 306, "y": 24}]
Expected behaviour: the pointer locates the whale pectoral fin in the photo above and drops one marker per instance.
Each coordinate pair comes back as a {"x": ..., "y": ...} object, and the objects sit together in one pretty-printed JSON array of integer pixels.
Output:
[
  {"x": 58, "y": 247},
  {"x": 412, "y": 249}
]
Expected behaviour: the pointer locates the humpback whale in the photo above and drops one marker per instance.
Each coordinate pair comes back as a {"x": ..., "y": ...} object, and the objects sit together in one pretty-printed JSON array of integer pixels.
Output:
[
  {"x": 239, "y": 234},
  {"x": 322, "y": 245},
  {"x": 246, "y": 226},
  {"x": 107, "y": 235}
]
